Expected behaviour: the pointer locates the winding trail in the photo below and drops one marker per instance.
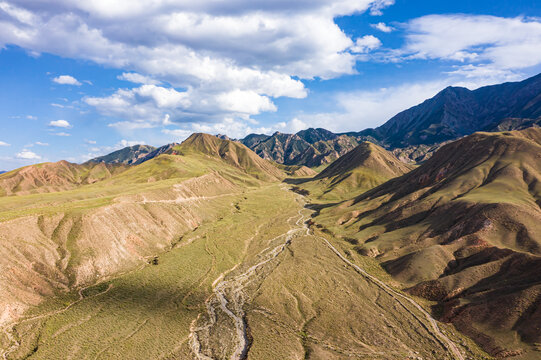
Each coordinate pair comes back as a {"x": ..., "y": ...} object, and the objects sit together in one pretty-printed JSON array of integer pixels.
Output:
[
  {"x": 441, "y": 337},
  {"x": 15, "y": 344}
]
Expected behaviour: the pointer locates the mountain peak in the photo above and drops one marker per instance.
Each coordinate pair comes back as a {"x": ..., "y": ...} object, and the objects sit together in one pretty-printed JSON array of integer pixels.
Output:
[
  {"x": 367, "y": 156},
  {"x": 232, "y": 152}
]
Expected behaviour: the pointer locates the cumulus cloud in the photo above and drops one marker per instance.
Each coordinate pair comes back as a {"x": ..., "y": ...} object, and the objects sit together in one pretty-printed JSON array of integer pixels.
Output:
[
  {"x": 124, "y": 143},
  {"x": 27, "y": 155},
  {"x": 483, "y": 46},
  {"x": 41, "y": 143},
  {"x": 61, "y": 134},
  {"x": 138, "y": 78},
  {"x": 66, "y": 80},
  {"x": 212, "y": 50},
  {"x": 296, "y": 125},
  {"x": 236, "y": 128},
  {"x": 382, "y": 27},
  {"x": 60, "y": 123},
  {"x": 366, "y": 44},
  {"x": 3, "y": 143},
  {"x": 150, "y": 105},
  {"x": 379, "y": 5}
]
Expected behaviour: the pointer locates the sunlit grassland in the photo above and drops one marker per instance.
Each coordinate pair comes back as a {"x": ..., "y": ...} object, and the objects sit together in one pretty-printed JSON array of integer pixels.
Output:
[
  {"x": 147, "y": 313},
  {"x": 159, "y": 173}
]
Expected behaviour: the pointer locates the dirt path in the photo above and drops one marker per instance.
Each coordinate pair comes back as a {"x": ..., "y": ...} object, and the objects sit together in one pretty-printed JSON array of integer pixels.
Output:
[
  {"x": 8, "y": 329},
  {"x": 442, "y": 338}
]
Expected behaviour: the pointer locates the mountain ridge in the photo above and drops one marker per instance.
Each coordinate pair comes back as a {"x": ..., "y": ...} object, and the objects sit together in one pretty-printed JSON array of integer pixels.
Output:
[
  {"x": 461, "y": 230},
  {"x": 458, "y": 111}
]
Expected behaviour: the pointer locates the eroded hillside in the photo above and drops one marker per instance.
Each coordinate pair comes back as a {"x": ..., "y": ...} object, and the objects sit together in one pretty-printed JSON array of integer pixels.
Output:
[
  {"x": 199, "y": 253},
  {"x": 462, "y": 230}
]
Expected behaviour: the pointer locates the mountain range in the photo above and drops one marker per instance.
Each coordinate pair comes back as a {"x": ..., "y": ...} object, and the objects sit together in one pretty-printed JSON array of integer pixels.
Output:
[
  {"x": 200, "y": 249},
  {"x": 455, "y": 112},
  {"x": 413, "y": 135}
]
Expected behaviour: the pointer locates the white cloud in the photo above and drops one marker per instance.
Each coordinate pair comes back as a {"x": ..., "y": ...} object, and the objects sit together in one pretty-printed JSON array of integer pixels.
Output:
[
  {"x": 124, "y": 143},
  {"x": 178, "y": 134},
  {"x": 484, "y": 46},
  {"x": 379, "y": 5},
  {"x": 91, "y": 142},
  {"x": 138, "y": 79},
  {"x": 62, "y": 134},
  {"x": 27, "y": 155},
  {"x": 366, "y": 44},
  {"x": 296, "y": 125},
  {"x": 60, "y": 123},
  {"x": 245, "y": 102},
  {"x": 30, "y": 117},
  {"x": 124, "y": 126},
  {"x": 3, "y": 143},
  {"x": 382, "y": 27},
  {"x": 66, "y": 80},
  {"x": 41, "y": 143},
  {"x": 212, "y": 50}
]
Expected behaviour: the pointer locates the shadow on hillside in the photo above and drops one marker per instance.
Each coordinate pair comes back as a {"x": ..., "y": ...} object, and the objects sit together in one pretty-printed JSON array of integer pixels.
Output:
[{"x": 296, "y": 181}]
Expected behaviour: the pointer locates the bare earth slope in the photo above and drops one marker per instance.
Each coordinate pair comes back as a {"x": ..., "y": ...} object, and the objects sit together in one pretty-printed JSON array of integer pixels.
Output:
[
  {"x": 463, "y": 230},
  {"x": 54, "y": 242},
  {"x": 51, "y": 177}
]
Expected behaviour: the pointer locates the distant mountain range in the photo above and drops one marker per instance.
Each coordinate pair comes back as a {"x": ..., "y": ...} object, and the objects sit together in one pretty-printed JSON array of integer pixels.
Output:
[
  {"x": 412, "y": 135},
  {"x": 456, "y": 111},
  {"x": 127, "y": 156},
  {"x": 311, "y": 147}
]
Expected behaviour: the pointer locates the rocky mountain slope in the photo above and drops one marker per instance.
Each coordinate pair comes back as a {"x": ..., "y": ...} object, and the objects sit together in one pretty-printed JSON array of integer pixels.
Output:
[
  {"x": 462, "y": 230},
  {"x": 311, "y": 147},
  {"x": 456, "y": 111},
  {"x": 155, "y": 153},
  {"x": 127, "y": 156}
]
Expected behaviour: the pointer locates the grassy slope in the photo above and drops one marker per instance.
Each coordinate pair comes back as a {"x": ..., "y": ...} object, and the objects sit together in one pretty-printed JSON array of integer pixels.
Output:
[
  {"x": 462, "y": 230},
  {"x": 361, "y": 169},
  {"x": 147, "y": 313},
  {"x": 304, "y": 304},
  {"x": 307, "y": 301},
  {"x": 52, "y": 242}
]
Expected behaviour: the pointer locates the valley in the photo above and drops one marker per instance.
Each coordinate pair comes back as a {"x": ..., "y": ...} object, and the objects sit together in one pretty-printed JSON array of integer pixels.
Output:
[
  {"x": 208, "y": 251},
  {"x": 270, "y": 180},
  {"x": 232, "y": 288},
  {"x": 312, "y": 245}
]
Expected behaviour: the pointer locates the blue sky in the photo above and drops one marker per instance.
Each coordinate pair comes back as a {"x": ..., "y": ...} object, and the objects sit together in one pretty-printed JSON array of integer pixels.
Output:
[{"x": 81, "y": 79}]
